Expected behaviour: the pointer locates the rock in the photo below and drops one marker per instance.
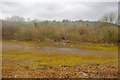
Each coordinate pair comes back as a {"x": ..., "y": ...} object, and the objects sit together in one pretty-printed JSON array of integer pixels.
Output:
[
  {"x": 15, "y": 76},
  {"x": 84, "y": 74}
]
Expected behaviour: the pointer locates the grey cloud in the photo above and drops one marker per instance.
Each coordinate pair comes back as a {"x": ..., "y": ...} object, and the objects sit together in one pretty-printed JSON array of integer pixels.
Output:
[{"x": 59, "y": 10}]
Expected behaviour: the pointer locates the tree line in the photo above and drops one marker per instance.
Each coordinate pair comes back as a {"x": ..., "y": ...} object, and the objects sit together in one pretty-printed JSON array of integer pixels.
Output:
[{"x": 104, "y": 31}]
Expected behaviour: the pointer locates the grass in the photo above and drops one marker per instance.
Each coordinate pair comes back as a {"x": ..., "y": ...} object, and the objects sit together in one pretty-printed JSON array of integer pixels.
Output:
[
  {"x": 100, "y": 47},
  {"x": 87, "y": 46},
  {"x": 49, "y": 57},
  {"x": 56, "y": 59},
  {"x": 34, "y": 59}
]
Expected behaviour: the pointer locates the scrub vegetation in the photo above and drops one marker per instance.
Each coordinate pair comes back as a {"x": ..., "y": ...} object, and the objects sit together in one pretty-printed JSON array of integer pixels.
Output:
[{"x": 67, "y": 31}]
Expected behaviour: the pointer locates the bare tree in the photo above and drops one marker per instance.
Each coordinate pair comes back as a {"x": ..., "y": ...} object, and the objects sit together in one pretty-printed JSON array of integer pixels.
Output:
[
  {"x": 109, "y": 17},
  {"x": 105, "y": 18},
  {"x": 112, "y": 17}
]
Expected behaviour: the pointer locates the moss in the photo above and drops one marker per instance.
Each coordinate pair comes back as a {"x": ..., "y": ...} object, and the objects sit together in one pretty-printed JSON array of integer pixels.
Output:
[
  {"x": 58, "y": 60},
  {"x": 35, "y": 57}
]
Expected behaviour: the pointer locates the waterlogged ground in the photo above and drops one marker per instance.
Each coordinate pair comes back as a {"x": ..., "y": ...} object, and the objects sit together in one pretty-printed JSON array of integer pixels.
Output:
[{"x": 58, "y": 60}]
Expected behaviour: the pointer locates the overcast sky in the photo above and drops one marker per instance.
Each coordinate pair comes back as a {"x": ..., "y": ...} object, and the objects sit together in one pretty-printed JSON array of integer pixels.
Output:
[{"x": 57, "y": 10}]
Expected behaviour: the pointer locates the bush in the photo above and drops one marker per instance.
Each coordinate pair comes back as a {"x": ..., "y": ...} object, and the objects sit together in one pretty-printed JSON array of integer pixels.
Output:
[{"x": 58, "y": 31}]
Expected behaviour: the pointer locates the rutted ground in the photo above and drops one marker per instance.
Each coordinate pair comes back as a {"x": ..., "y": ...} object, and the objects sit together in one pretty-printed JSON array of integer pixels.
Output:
[{"x": 50, "y": 61}]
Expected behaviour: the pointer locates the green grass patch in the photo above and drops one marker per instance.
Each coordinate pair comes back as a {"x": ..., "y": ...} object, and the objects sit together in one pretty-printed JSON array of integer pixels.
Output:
[
  {"x": 58, "y": 59},
  {"x": 38, "y": 59}
]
